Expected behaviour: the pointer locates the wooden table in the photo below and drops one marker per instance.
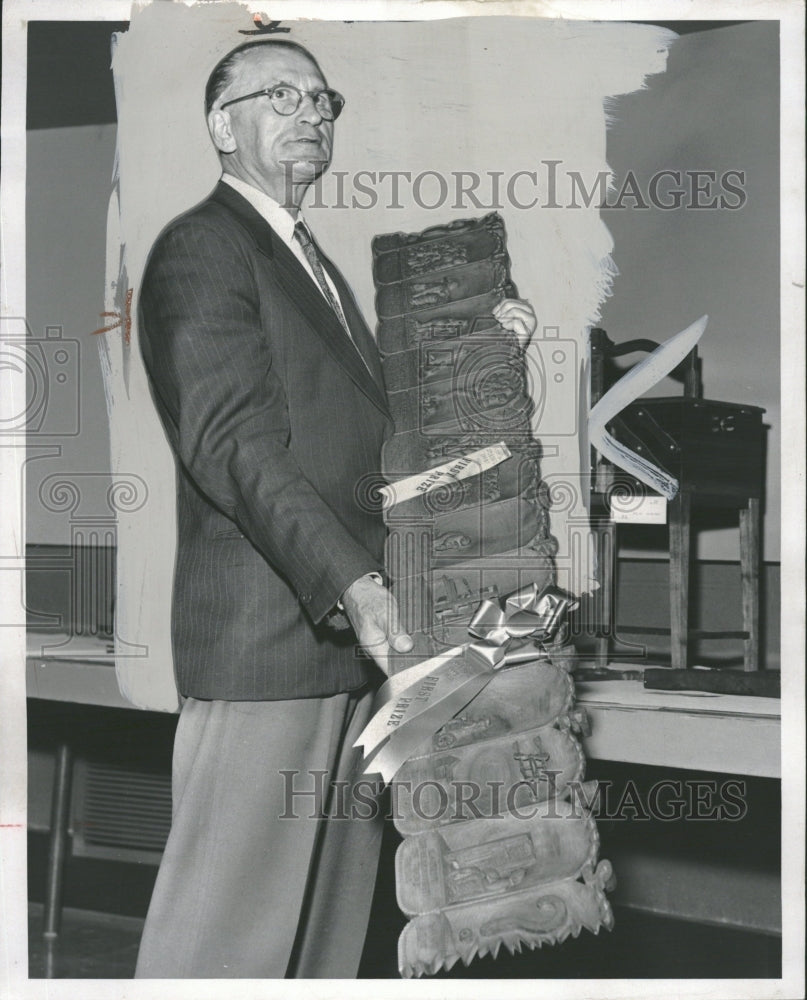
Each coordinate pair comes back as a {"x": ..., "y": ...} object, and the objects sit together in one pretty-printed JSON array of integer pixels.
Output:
[
  {"x": 677, "y": 730},
  {"x": 728, "y": 734}
]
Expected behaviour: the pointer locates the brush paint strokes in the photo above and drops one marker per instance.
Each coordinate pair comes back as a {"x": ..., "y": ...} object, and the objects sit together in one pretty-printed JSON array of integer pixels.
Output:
[{"x": 476, "y": 94}]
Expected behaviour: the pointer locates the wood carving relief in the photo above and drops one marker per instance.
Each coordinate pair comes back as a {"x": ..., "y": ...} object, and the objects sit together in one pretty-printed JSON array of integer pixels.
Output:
[{"x": 498, "y": 849}]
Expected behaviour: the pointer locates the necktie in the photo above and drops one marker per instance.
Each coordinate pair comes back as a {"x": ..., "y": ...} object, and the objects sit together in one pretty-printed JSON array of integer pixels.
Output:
[{"x": 304, "y": 239}]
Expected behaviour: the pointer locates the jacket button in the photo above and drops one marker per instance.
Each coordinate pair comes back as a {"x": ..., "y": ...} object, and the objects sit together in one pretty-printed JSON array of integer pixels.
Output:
[{"x": 305, "y": 598}]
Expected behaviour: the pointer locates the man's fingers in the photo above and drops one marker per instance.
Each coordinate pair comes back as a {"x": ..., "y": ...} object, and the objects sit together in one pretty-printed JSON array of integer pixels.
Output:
[
  {"x": 525, "y": 319},
  {"x": 393, "y": 619},
  {"x": 519, "y": 317},
  {"x": 521, "y": 330},
  {"x": 401, "y": 642},
  {"x": 373, "y": 612},
  {"x": 380, "y": 638},
  {"x": 518, "y": 326},
  {"x": 513, "y": 307},
  {"x": 373, "y": 637},
  {"x": 398, "y": 639}
]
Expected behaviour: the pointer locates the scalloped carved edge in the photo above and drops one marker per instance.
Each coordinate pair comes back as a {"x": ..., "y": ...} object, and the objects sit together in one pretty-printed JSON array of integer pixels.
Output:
[{"x": 546, "y": 915}]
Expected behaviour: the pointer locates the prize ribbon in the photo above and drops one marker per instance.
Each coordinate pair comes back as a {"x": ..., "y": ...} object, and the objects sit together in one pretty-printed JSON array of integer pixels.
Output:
[
  {"x": 444, "y": 475},
  {"x": 414, "y": 703},
  {"x": 632, "y": 385}
]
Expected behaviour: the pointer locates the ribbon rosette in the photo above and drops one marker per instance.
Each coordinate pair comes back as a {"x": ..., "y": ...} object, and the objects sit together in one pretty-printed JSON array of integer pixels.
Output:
[{"x": 414, "y": 703}]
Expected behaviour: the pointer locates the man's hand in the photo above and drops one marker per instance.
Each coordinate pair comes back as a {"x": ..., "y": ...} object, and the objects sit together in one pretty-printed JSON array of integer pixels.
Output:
[
  {"x": 518, "y": 316},
  {"x": 373, "y": 613}
]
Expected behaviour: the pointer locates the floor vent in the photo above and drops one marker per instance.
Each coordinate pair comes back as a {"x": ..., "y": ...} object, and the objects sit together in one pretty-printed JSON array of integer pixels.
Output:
[{"x": 120, "y": 814}]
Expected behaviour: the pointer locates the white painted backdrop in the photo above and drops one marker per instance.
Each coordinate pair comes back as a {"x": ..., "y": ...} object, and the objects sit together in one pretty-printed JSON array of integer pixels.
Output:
[{"x": 481, "y": 94}]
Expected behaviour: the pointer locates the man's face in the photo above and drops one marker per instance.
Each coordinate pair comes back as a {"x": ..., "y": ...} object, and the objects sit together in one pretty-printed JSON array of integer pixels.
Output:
[{"x": 265, "y": 140}]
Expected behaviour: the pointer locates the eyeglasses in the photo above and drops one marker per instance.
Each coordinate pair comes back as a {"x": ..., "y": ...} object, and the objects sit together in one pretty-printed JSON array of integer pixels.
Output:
[{"x": 287, "y": 99}]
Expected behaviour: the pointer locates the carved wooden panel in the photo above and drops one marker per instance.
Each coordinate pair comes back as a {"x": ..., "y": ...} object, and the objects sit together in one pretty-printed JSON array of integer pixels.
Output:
[{"x": 472, "y": 872}]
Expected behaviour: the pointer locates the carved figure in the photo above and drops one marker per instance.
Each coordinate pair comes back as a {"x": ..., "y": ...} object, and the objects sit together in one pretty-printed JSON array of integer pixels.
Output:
[
  {"x": 550, "y": 913},
  {"x": 454, "y": 605},
  {"x": 437, "y": 362},
  {"x": 435, "y": 256},
  {"x": 532, "y": 763},
  {"x": 431, "y": 293},
  {"x": 450, "y": 447},
  {"x": 461, "y": 728},
  {"x": 492, "y": 867},
  {"x": 439, "y": 329},
  {"x": 498, "y": 386},
  {"x": 451, "y": 540}
]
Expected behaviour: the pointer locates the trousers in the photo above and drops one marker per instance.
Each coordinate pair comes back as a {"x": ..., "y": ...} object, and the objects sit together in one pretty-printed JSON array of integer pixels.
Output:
[{"x": 269, "y": 870}]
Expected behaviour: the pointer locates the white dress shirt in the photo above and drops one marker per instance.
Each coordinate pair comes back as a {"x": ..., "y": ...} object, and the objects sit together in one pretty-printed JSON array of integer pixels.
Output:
[{"x": 281, "y": 220}]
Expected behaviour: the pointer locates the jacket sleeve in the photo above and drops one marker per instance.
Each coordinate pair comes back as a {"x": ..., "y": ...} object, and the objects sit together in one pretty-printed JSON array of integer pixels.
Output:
[{"x": 226, "y": 415}]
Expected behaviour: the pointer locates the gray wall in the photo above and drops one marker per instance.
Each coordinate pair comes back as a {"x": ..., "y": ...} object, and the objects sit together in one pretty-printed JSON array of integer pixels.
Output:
[
  {"x": 716, "y": 108},
  {"x": 674, "y": 264},
  {"x": 642, "y": 598},
  {"x": 68, "y": 182}
]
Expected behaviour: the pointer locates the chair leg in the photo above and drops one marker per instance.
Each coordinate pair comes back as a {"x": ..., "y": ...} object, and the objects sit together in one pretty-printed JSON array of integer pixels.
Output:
[
  {"x": 59, "y": 817},
  {"x": 606, "y": 556},
  {"x": 679, "y": 515},
  {"x": 750, "y": 544}
]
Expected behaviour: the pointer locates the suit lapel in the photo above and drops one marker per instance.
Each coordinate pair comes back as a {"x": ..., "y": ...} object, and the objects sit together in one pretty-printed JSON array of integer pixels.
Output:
[
  {"x": 308, "y": 299},
  {"x": 363, "y": 338}
]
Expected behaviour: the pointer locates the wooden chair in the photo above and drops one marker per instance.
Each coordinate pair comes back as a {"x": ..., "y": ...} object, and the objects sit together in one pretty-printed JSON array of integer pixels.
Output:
[{"x": 716, "y": 451}]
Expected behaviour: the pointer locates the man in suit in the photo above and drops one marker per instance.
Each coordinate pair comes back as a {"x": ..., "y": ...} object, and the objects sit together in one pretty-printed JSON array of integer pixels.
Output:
[{"x": 270, "y": 390}]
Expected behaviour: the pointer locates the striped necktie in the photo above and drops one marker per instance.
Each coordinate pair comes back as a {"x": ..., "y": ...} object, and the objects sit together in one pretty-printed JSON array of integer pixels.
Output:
[{"x": 304, "y": 239}]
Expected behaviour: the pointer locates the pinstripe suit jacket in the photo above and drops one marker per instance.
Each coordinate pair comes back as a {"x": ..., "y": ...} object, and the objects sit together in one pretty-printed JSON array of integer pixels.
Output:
[{"x": 275, "y": 421}]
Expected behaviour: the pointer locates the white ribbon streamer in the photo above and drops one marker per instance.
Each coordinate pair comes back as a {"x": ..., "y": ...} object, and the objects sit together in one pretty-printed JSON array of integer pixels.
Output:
[
  {"x": 377, "y": 730},
  {"x": 444, "y": 475},
  {"x": 635, "y": 383}
]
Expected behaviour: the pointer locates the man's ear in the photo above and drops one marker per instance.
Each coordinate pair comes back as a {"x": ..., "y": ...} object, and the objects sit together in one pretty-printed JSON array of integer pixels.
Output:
[{"x": 218, "y": 123}]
